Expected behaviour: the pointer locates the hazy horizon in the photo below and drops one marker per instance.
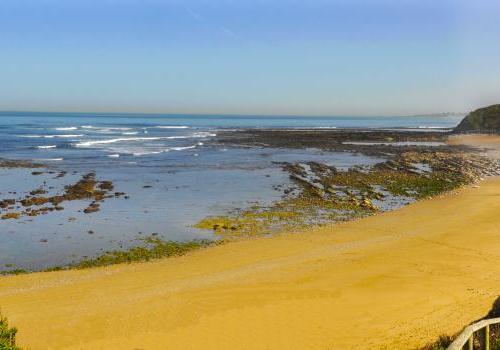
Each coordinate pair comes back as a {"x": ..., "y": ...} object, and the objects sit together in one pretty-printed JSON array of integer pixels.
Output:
[
  {"x": 139, "y": 114},
  {"x": 283, "y": 57}
]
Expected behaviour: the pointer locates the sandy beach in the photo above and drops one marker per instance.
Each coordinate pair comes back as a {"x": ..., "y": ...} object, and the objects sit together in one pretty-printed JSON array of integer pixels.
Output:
[
  {"x": 490, "y": 143},
  {"x": 392, "y": 281},
  {"x": 249, "y": 175}
]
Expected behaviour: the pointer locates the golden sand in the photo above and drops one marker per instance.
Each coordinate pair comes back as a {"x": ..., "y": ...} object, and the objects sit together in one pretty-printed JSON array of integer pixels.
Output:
[
  {"x": 490, "y": 143},
  {"x": 391, "y": 281}
]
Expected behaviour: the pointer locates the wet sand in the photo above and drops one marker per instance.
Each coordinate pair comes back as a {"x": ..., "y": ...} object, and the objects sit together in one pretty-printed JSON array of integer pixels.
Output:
[
  {"x": 392, "y": 281},
  {"x": 489, "y": 143}
]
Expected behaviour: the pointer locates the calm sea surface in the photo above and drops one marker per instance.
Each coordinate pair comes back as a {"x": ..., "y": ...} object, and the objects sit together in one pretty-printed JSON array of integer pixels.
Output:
[{"x": 169, "y": 166}]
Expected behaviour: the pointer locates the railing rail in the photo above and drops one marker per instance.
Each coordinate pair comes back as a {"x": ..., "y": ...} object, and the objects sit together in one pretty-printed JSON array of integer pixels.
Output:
[{"x": 467, "y": 335}]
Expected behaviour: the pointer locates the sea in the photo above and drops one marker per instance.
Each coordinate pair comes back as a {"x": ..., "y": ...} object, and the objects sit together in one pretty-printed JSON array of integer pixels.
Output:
[{"x": 170, "y": 166}]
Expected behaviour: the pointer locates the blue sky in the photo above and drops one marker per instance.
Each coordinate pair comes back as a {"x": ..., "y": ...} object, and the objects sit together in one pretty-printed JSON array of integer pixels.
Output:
[{"x": 339, "y": 57}]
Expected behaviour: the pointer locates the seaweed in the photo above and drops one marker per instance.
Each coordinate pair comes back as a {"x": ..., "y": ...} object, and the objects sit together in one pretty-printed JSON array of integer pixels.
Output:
[{"x": 326, "y": 194}]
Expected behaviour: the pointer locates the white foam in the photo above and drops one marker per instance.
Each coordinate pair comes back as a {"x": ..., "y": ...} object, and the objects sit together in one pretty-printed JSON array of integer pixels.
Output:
[
  {"x": 68, "y": 136},
  {"x": 180, "y": 148},
  {"x": 120, "y": 139},
  {"x": 139, "y": 154},
  {"x": 130, "y": 133},
  {"x": 114, "y": 129},
  {"x": 47, "y": 146},
  {"x": 136, "y": 139},
  {"x": 204, "y": 134},
  {"x": 66, "y": 128},
  {"x": 50, "y": 159},
  {"x": 117, "y": 128},
  {"x": 172, "y": 127},
  {"x": 430, "y": 127},
  {"x": 111, "y": 130},
  {"x": 144, "y": 153},
  {"x": 114, "y": 156},
  {"x": 51, "y": 136}
]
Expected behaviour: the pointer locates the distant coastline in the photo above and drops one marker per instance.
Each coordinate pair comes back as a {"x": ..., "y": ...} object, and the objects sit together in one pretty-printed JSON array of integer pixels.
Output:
[{"x": 235, "y": 115}]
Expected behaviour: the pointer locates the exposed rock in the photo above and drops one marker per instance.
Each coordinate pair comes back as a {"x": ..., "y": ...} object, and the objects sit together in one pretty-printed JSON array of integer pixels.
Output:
[
  {"x": 7, "y": 203},
  {"x": 11, "y": 216},
  {"x": 483, "y": 120},
  {"x": 366, "y": 141},
  {"x": 106, "y": 185},
  {"x": 38, "y": 191},
  {"x": 28, "y": 202},
  {"x": 8, "y": 163},
  {"x": 86, "y": 188},
  {"x": 92, "y": 208}
]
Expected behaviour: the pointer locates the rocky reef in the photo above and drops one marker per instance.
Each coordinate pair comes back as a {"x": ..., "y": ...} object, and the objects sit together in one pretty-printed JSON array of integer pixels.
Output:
[
  {"x": 35, "y": 203},
  {"x": 484, "y": 120},
  {"x": 418, "y": 164},
  {"x": 322, "y": 194},
  {"x": 369, "y": 142},
  {"x": 9, "y": 163}
]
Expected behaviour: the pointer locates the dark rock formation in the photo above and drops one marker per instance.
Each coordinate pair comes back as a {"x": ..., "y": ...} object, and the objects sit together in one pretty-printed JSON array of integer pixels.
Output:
[{"x": 483, "y": 120}]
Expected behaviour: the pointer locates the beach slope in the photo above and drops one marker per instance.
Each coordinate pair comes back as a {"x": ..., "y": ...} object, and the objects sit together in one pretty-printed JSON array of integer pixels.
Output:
[{"x": 392, "y": 281}]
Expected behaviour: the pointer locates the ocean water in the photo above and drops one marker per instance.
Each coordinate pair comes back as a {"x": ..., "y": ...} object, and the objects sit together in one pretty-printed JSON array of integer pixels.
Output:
[{"x": 170, "y": 166}]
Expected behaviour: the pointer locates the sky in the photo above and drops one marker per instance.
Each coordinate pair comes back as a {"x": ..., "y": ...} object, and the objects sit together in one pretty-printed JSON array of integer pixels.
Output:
[{"x": 281, "y": 57}]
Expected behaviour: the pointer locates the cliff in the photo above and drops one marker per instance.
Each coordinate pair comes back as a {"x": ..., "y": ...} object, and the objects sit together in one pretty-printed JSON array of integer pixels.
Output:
[{"x": 483, "y": 120}]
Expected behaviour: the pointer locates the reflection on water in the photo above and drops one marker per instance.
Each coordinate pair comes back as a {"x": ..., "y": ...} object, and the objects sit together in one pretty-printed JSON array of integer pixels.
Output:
[{"x": 169, "y": 166}]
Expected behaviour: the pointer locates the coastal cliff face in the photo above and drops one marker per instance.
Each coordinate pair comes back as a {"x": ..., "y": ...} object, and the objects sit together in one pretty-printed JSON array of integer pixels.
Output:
[{"x": 484, "y": 120}]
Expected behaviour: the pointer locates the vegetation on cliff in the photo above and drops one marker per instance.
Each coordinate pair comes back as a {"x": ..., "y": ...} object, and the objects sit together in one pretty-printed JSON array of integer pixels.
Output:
[
  {"x": 7, "y": 335},
  {"x": 483, "y": 120}
]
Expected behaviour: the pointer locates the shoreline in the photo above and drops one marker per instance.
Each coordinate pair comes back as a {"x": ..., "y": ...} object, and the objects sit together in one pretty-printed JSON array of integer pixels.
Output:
[
  {"x": 317, "y": 192},
  {"x": 293, "y": 291}
]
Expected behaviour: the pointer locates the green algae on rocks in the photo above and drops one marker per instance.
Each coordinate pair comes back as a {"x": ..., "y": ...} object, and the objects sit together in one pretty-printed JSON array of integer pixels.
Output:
[
  {"x": 152, "y": 248},
  {"x": 323, "y": 194}
]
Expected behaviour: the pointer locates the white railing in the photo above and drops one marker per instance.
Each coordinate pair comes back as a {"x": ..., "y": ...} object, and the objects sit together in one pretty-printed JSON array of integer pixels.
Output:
[{"x": 467, "y": 336}]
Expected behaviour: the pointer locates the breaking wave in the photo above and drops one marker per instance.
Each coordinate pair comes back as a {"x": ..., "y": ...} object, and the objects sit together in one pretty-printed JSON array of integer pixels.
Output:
[
  {"x": 172, "y": 127},
  {"x": 145, "y": 153},
  {"x": 51, "y": 136},
  {"x": 137, "y": 139},
  {"x": 49, "y": 159},
  {"x": 66, "y": 128}
]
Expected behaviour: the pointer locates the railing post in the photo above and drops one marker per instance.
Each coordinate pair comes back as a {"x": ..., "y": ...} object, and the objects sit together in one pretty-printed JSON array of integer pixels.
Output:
[
  {"x": 487, "y": 337},
  {"x": 466, "y": 339}
]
